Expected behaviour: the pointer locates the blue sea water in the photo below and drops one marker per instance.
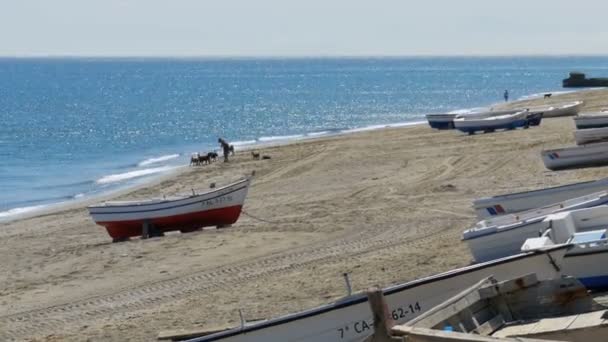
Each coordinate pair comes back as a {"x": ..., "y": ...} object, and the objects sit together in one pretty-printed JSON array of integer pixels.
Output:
[{"x": 72, "y": 128}]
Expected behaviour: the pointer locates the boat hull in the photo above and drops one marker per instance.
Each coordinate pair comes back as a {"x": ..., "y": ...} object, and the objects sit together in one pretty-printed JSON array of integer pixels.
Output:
[
  {"x": 576, "y": 156},
  {"x": 591, "y": 135},
  {"x": 588, "y": 266},
  {"x": 512, "y": 203},
  {"x": 569, "y": 109},
  {"x": 591, "y": 121},
  {"x": 183, "y": 222},
  {"x": 510, "y": 121},
  {"x": 501, "y": 236},
  {"x": 351, "y": 319},
  {"x": 441, "y": 121},
  {"x": 214, "y": 208}
]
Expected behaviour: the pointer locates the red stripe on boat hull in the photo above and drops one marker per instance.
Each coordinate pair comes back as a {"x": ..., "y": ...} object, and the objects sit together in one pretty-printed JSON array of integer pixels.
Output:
[{"x": 184, "y": 222}]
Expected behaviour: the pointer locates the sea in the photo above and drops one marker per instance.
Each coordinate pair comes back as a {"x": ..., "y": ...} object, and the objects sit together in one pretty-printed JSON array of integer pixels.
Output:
[{"x": 74, "y": 128}]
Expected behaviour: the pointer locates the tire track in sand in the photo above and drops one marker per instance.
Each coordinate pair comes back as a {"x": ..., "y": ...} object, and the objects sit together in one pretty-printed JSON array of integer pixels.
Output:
[{"x": 69, "y": 315}]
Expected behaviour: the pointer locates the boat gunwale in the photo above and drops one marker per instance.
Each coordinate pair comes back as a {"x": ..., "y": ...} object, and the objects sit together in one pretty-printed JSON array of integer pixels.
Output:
[
  {"x": 361, "y": 297},
  {"x": 520, "y": 194},
  {"x": 135, "y": 203}
]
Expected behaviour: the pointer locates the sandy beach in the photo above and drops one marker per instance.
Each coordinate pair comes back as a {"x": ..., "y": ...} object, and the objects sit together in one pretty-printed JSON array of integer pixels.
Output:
[{"x": 386, "y": 206}]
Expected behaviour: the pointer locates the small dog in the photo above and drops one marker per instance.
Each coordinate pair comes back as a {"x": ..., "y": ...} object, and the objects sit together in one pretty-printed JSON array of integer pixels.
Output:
[
  {"x": 194, "y": 159},
  {"x": 265, "y": 157},
  {"x": 547, "y": 95},
  {"x": 212, "y": 156},
  {"x": 231, "y": 149},
  {"x": 255, "y": 155},
  {"x": 204, "y": 160}
]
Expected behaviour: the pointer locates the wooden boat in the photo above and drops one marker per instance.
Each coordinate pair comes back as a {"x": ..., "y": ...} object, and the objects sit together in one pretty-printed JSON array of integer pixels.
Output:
[
  {"x": 441, "y": 121},
  {"x": 487, "y": 122},
  {"x": 564, "y": 109},
  {"x": 350, "y": 319},
  {"x": 591, "y": 135},
  {"x": 591, "y": 120},
  {"x": 521, "y": 201},
  {"x": 216, "y": 207},
  {"x": 503, "y": 235},
  {"x": 586, "y": 230},
  {"x": 493, "y": 308},
  {"x": 576, "y": 156}
]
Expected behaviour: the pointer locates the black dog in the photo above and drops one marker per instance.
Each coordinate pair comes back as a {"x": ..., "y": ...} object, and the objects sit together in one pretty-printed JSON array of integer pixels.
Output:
[
  {"x": 212, "y": 156},
  {"x": 255, "y": 155},
  {"x": 547, "y": 95},
  {"x": 231, "y": 149}
]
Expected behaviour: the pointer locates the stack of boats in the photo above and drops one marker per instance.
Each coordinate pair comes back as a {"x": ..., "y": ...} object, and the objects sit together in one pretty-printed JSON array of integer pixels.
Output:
[
  {"x": 575, "y": 214},
  {"x": 489, "y": 120},
  {"x": 591, "y": 136}
]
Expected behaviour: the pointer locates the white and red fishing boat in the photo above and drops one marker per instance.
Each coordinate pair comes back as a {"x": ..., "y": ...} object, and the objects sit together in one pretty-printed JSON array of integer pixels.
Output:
[{"x": 216, "y": 207}]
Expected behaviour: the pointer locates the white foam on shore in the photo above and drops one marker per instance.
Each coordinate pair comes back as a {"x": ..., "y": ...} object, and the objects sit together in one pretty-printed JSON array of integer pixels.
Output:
[
  {"x": 119, "y": 177},
  {"x": 281, "y": 137},
  {"x": 317, "y": 134},
  {"x": 244, "y": 142},
  {"x": 469, "y": 110},
  {"x": 20, "y": 211},
  {"x": 158, "y": 159}
]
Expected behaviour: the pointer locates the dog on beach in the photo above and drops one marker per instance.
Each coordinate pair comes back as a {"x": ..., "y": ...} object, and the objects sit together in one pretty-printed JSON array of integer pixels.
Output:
[
  {"x": 547, "y": 95},
  {"x": 231, "y": 148},
  {"x": 194, "y": 159},
  {"x": 255, "y": 155},
  {"x": 212, "y": 156}
]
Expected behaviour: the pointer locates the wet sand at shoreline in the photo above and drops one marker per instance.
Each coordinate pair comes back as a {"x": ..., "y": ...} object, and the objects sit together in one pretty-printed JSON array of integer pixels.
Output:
[{"x": 387, "y": 206}]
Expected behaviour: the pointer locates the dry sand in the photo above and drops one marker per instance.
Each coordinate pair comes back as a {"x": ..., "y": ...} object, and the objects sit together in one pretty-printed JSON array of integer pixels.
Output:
[{"x": 386, "y": 206}]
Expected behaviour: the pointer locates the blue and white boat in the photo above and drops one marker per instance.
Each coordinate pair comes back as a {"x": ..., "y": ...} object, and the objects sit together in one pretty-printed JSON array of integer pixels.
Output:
[
  {"x": 521, "y": 201},
  {"x": 586, "y": 230},
  {"x": 500, "y": 236},
  {"x": 491, "y": 121}
]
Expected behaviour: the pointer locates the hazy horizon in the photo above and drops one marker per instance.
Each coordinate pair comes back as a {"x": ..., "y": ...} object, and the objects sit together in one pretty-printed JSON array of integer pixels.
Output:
[{"x": 279, "y": 29}]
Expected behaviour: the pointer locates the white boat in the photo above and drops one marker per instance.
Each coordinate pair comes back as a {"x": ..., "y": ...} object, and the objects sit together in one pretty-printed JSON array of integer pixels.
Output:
[
  {"x": 576, "y": 156},
  {"x": 585, "y": 229},
  {"x": 521, "y": 201},
  {"x": 351, "y": 319},
  {"x": 591, "y": 120},
  {"x": 564, "y": 109},
  {"x": 503, "y": 235},
  {"x": 216, "y": 207},
  {"x": 489, "y": 122},
  {"x": 591, "y": 135}
]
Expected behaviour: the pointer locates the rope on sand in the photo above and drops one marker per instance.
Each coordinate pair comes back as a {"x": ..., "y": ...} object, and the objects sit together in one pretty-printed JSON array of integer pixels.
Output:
[{"x": 261, "y": 219}]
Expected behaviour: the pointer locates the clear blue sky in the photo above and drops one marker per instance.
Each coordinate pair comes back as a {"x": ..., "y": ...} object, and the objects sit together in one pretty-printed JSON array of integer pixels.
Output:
[{"x": 301, "y": 28}]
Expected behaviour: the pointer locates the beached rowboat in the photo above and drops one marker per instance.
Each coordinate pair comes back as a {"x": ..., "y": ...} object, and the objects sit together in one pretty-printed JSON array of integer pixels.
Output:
[
  {"x": 591, "y": 120},
  {"x": 441, "y": 121},
  {"x": 217, "y": 207},
  {"x": 351, "y": 319},
  {"x": 503, "y": 235},
  {"x": 521, "y": 201},
  {"x": 564, "y": 109},
  {"x": 576, "y": 156},
  {"x": 489, "y": 122},
  {"x": 591, "y": 135}
]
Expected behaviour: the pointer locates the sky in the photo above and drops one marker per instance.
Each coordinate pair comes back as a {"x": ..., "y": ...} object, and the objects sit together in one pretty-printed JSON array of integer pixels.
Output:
[{"x": 185, "y": 28}]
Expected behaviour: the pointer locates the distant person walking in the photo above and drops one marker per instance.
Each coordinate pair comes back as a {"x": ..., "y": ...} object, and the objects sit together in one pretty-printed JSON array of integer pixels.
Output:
[
  {"x": 506, "y": 95},
  {"x": 225, "y": 148}
]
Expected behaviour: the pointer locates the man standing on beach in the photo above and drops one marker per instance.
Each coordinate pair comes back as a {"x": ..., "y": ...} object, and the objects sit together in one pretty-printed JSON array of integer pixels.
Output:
[
  {"x": 225, "y": 148},
  {"x": 506, "y": 95}
]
